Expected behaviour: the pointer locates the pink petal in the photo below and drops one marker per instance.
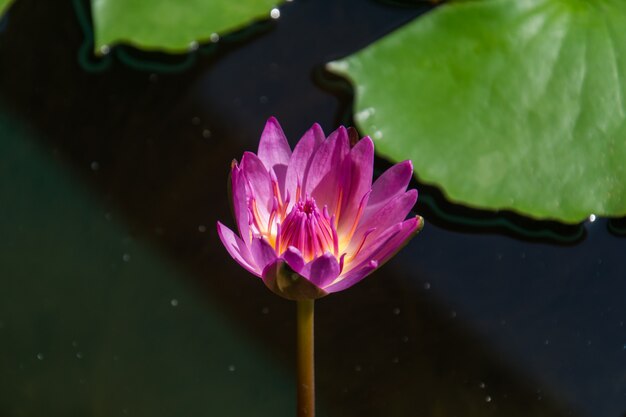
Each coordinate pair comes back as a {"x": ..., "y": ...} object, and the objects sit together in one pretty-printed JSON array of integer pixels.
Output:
[
  {"x": 386, "y": 245},
  {"x": 274, "y": 150},
  {"x": 240, "y": 205},
  {"x": 294, "y": 258},
  {"x": 321, "y": 271},
  {"x": 237, "y": 249},
  {"x": 391, "y": 183},
  {"x": 328, "y": 169},
  {"x": 409, "y": 228},
  {"x": 259, "y": 185},
  {"x": 301, "y": 158},
  {"x": 358, "y": 182},
  {"x": 395, "y": 211},
  {"x": 262, "y": 253},
  {"x": 352, "y": 277}
]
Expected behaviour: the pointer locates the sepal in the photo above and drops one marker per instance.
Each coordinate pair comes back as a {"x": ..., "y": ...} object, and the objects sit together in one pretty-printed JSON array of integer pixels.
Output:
[{"x": 284, "y": 281}]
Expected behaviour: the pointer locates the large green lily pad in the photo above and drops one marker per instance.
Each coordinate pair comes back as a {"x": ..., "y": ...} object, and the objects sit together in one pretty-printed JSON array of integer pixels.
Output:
[
  {"x": 171, "y": 26},
  {"x": 505, "y": 104}
]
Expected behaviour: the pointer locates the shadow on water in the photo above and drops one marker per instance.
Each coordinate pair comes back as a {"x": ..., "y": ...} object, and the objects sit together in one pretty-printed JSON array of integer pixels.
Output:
[
  {"x": 618, "y": 226},
  {"x": 154, "y": 150}
]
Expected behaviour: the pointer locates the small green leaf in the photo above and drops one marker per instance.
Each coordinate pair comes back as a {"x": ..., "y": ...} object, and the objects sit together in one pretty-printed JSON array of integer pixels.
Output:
[
  {"x": 4, "y": 6},
  {"x": 171, "y": 26},
  {"x": 505, "y": 104}
]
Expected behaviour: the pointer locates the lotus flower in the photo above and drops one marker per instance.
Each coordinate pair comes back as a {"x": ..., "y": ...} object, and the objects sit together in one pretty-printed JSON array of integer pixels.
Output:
[{"x": 310, "y": 221}]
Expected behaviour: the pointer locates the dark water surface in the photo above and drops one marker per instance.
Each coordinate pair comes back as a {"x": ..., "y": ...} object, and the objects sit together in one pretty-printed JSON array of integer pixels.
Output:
[{"x": 116, "y": 297}]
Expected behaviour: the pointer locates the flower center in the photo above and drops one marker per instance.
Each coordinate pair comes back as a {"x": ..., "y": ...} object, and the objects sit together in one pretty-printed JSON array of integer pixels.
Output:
[{"x": 309, "y": 230}]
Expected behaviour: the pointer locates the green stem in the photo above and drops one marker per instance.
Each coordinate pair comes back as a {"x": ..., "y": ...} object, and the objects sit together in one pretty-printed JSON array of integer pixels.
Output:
[{"x": 306, "y": 359}]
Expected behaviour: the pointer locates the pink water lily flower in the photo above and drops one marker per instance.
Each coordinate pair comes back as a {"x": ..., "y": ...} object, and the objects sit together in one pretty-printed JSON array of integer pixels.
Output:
[{"x": 310, "y": 221}]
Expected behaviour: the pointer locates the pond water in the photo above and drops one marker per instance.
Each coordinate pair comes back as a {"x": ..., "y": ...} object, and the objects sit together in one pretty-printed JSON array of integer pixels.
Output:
[{"x": 117, "y": 298}]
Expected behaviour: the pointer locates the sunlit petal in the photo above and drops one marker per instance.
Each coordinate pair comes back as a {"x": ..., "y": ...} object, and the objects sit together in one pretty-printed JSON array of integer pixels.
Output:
[{"x": 311, "y": 222}]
